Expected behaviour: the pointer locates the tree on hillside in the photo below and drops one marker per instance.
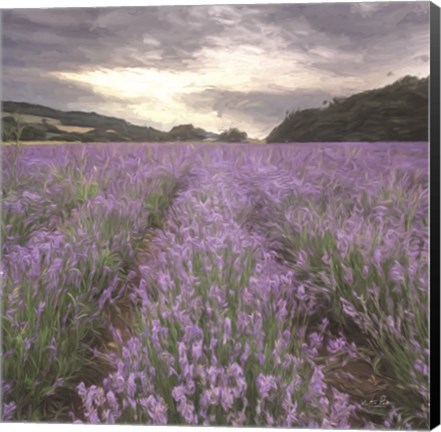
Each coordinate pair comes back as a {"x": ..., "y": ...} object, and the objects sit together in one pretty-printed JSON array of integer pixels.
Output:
[
  {"x": 12, "y": 128},
  {"x": 233, "y": 135}
]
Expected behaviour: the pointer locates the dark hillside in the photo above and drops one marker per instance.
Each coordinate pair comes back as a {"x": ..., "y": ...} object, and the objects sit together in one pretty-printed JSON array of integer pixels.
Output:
[{"x": 398, "y": 112}]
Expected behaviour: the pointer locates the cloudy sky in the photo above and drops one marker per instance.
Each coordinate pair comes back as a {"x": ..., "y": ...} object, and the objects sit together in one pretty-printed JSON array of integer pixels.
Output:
[{"x": 214, "y": 66}]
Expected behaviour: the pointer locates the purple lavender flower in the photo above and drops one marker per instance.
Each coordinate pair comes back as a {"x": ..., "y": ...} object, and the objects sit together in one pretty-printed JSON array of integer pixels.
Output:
[
  {"x": 227, "y": 330},
  {"x": 197, "y": 350},
  {"x": 316, "y": 340},
  {"x": 348, "y": 308},
  {"x": 178, "y": 393},
  {"x": 8, "y": 411},
  {"x": 226, "y": 398},
  {"x": 264, "y": 384},
  {"x": 40, "y": 309},
  {"x": 112, "y": 401},
  {"x": 131, "y": 385},
  {"x": 397, "y": 273},
  {"x": 27, "y": 344},
  {"x": 336, "y": 345},
  {"x": 246, "y": 351},
  {"x": 155, "y": 408},
  {"x": 190, "y": 387},
  {"x": 422, "y": 367},
  {"x": 317, "y": 385}
]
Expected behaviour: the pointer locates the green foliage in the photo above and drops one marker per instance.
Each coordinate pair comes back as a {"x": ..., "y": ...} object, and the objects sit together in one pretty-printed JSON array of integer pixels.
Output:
[
  {"x": 233, "y": 135},
  {"x": 12, "y": 128},
  {"x": 160, "y": 199},
  {"x": 187, "y": 133},
  {"x": 12, "y": 131},
  {"x": 33, "y": 133},
  {"x": 70, "y": 319}
]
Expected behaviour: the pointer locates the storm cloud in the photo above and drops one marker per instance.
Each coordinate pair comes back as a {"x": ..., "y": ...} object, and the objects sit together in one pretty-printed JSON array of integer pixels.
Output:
[
  {"x": 214, "y": 66},
  {"x": 264, "y": 109}
]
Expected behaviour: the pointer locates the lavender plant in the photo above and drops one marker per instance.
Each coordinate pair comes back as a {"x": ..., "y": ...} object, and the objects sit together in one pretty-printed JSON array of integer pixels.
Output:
[
  {"x": 12, "y": 133},
  {"x": 211, "y": 285}
]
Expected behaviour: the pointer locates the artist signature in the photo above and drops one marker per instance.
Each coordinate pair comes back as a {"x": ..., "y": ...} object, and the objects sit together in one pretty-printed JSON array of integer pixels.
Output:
[{"x": 381, "y": 402}]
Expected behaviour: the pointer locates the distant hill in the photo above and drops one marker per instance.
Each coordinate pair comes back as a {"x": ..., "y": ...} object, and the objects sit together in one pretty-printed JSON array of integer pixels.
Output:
[
  {"x": 40, "y": 123},
  {"x": 397, "y": 112}
]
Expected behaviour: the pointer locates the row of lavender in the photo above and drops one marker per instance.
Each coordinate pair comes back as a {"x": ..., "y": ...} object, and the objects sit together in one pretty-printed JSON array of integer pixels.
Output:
[
  {"x": 72, "y": 222},
  {"x": 256, "y": 278}
]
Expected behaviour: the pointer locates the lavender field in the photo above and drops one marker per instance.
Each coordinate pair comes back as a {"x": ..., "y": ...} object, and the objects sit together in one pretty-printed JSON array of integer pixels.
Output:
[{"x": 269, "y": 285}]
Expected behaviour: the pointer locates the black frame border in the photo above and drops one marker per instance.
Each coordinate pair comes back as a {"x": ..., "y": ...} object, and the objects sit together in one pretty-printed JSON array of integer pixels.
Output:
[{"x": 434, "y": 124}]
